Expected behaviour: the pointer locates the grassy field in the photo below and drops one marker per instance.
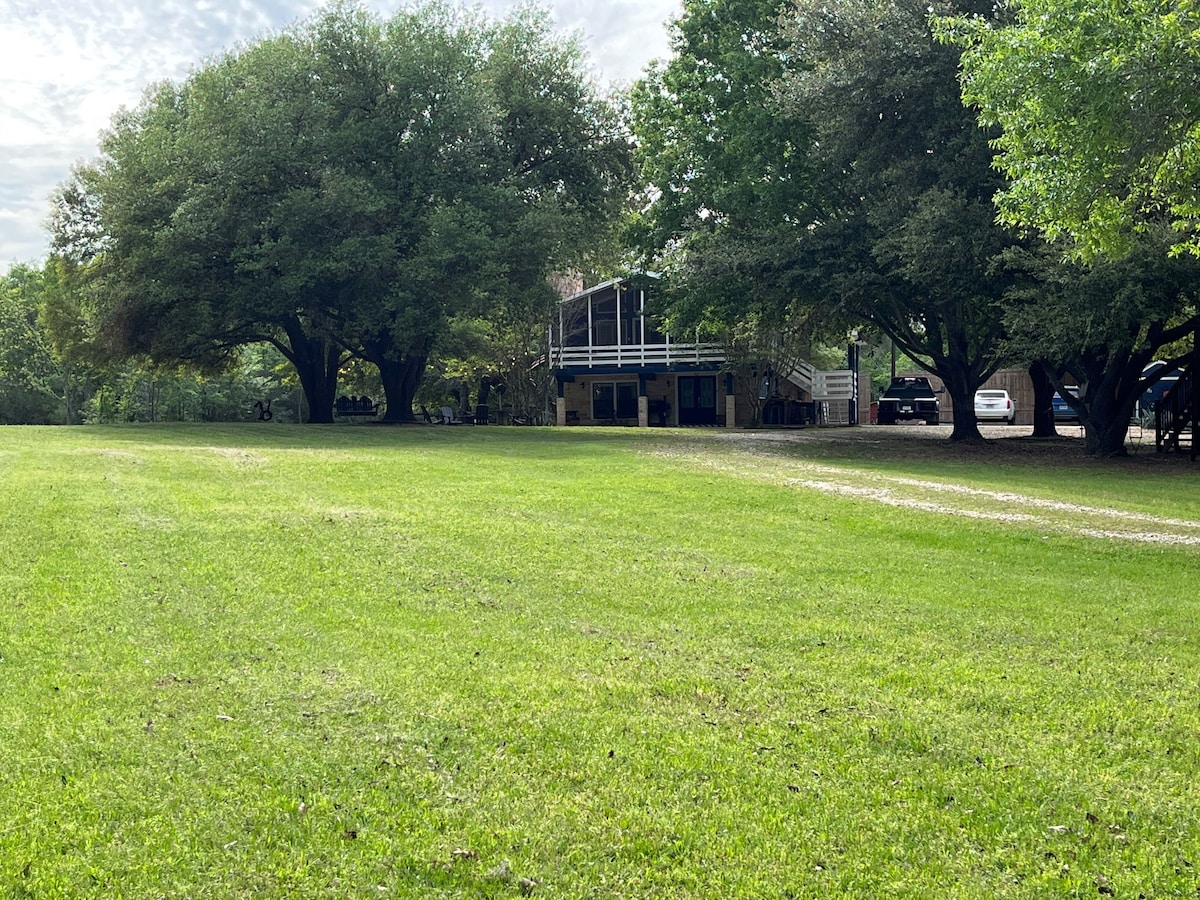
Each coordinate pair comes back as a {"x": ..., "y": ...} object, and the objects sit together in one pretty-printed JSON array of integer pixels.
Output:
[{"x": 421, "y": 662}]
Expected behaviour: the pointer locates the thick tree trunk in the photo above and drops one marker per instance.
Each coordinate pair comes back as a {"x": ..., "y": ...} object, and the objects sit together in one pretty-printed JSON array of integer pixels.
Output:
[
  {"x": 1105, "y": 438},
  {"x": 1109, "y": 390},
  {"x": 1043, "y": 402},
  {"x": 1105, "y": 422},
  {"x": 317, "y": 363},
  {"x": 961, "y": 388},
  {"x": 400, "y": 382}
]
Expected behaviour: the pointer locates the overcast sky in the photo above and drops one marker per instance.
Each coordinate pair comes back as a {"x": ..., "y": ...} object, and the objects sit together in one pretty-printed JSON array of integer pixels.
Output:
[{"x": 67, "y": 65}]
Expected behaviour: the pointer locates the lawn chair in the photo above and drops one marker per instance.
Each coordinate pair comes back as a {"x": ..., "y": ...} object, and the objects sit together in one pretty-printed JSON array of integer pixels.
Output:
[{"x": 448, "y": 417}]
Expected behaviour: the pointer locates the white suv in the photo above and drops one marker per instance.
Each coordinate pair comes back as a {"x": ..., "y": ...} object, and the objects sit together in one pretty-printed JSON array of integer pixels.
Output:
[{"x": 995, "y": 406}]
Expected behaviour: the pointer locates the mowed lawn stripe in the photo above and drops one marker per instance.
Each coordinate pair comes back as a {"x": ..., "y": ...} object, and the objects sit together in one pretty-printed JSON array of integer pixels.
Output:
[{"x": 440, "y": 661}]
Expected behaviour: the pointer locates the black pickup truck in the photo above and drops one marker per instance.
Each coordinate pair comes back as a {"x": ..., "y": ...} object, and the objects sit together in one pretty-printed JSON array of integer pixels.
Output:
[{"x": 908, "y": 397}]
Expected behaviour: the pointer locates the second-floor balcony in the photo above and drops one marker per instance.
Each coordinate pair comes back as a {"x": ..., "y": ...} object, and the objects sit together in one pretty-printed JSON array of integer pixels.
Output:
[
  {"x": 664, "y": 354},
  {"x": 609, "y": 325}
]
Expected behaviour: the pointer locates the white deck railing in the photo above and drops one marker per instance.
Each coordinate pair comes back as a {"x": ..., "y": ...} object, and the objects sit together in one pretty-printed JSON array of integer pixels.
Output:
[
  {"x": 802, "y": 375},
  {"x": 638, "y": 355},
  {"x": 837, "y": 384}
]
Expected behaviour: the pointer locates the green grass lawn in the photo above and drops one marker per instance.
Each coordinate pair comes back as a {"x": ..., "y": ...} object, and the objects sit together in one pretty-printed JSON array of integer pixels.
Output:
[{"x": 420, "y": 662}]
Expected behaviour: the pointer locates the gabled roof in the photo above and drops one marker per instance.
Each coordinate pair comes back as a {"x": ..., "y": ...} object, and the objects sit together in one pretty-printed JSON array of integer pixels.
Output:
[{"x": 605, "y": 285}]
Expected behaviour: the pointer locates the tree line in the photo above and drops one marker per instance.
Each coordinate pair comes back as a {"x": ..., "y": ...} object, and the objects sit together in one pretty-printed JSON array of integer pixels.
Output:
[{"x": 372, "y": 198}]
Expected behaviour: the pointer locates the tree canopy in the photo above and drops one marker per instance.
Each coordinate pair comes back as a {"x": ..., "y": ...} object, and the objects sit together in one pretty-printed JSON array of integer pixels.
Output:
[
  {"x": 725, "y": 171},
  {"x": 1098, "y": 106},
  {"x": 1097, "y": 120},
  {"x": 345, "y": 188},
  {"x": 31, "y": 382},
  {"x": 906, "y": 236},
  {"x": 814, "y": 164}
]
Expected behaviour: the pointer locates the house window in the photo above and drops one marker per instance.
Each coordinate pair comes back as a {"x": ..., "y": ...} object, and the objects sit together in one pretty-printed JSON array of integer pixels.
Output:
[
  {"x": 631, "y": 318},
  {"x": 611, "y": 317},
  {"x": 574, "y": 324},
  {"x": 604, "y": 318},
  {"x": 614, "y": 400}
]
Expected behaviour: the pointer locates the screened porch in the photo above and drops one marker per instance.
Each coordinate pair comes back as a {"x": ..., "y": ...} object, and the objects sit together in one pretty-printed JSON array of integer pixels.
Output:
[{"x": 610, "y": 325}]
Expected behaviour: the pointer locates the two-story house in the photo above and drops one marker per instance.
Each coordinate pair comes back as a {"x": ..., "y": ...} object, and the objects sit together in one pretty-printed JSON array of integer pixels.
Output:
[{"x": 613, "y": 365}]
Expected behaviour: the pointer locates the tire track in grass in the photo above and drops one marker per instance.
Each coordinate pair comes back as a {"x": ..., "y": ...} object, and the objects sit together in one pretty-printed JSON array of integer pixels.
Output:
[
  {"x": 955, "y": 499},
  {"x": 1057, "y": 505},
  {"x": 889, "y": 497}
]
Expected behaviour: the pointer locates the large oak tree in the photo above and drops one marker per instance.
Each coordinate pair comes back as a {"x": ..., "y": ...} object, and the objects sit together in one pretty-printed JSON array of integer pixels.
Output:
[
  {"x": 906, "y": 235},
  {"x": 1096, "y": 325},
  {"x": 343, "y": 189},
  {"x": 1095, "y": 114},
  {"x": 726, "y": 173},
  {"x": 812, "y": 163}
]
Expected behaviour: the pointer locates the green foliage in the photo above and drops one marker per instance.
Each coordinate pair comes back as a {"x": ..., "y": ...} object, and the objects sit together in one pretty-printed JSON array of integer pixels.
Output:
[
  {"x": 1102, "y": 322},
  {"x": 31, "y": 383},
  {"x": 54, "y": 370},
  {"x": 714, "y": 151},
  {"x": 143, "y": 393},
  {"x": 265, "y": 662},
  {"x": 726, "y": 173},
  {"x": 811, "y": 167},
  {"x": 463, "y": 359},
  {"x": 347, "y": 187},
  {"x": 1097, "y": 105},
  {"x": 906, "y": 237}
]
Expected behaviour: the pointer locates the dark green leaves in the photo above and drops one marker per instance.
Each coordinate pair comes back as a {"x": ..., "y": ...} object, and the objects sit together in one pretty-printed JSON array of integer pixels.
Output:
[{"x": 352, "y": 183}]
